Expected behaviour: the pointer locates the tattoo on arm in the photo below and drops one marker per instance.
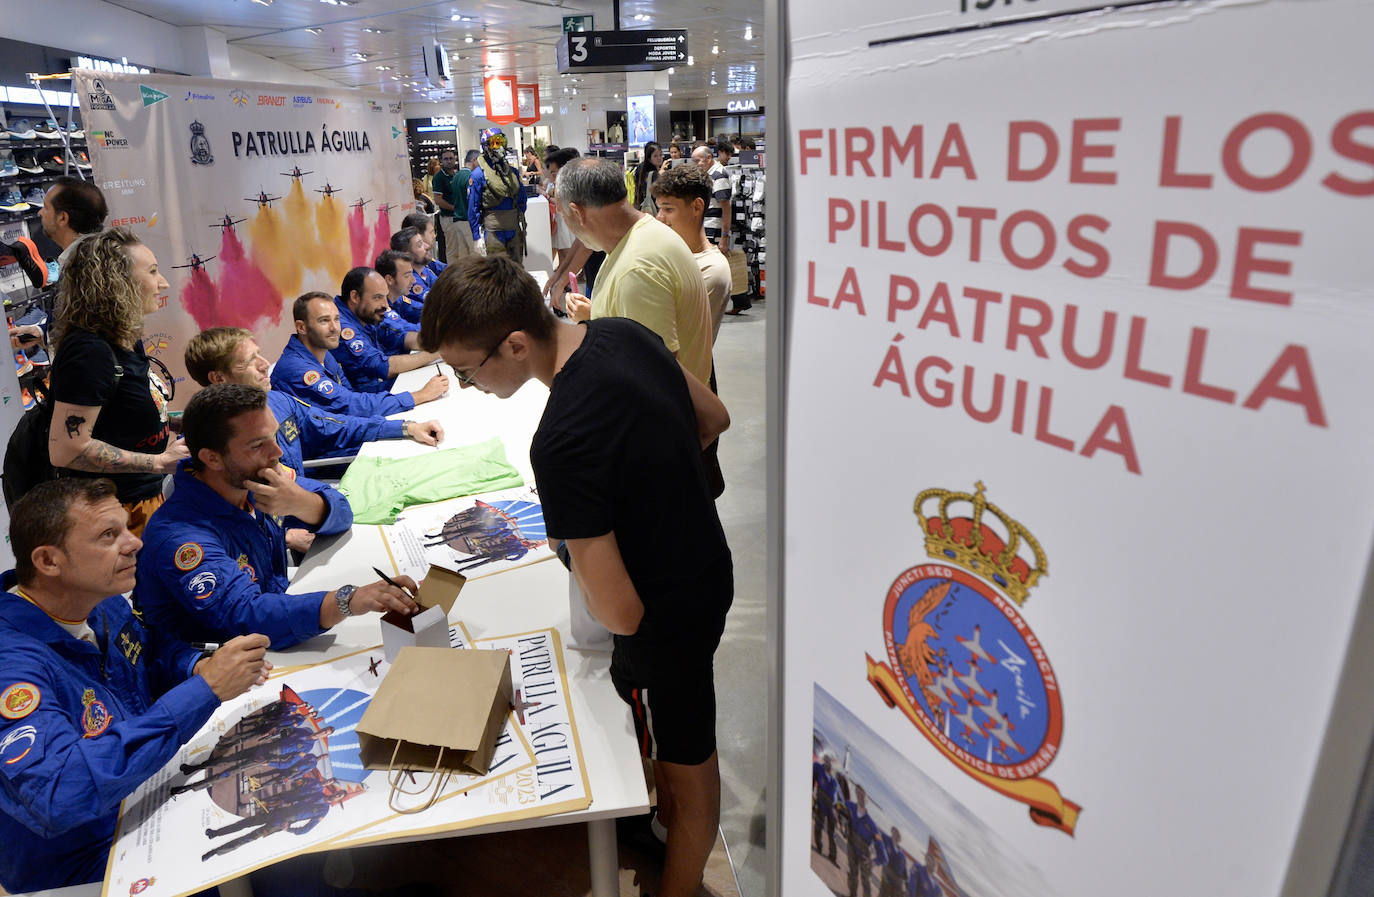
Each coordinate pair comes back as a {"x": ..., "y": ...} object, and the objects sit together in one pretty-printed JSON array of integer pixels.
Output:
[
  {"x": 74, "y": 423},
  {"x": 101, "y": 457}
]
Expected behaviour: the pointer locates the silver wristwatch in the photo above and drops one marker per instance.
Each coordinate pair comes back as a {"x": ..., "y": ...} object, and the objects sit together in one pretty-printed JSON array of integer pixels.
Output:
[{"x": 344, "y": 596}]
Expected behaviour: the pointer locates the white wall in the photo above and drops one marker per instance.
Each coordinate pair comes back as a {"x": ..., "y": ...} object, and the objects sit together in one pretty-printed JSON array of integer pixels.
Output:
[{"x": 245, "y": 65}]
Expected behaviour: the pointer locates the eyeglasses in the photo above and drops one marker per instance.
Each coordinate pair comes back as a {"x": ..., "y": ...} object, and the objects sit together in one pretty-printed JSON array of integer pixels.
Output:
[{"x": 470, "y": 378}]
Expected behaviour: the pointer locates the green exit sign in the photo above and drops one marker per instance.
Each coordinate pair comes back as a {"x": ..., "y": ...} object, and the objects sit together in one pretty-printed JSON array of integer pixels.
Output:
[{"x": 577, "y": 23}]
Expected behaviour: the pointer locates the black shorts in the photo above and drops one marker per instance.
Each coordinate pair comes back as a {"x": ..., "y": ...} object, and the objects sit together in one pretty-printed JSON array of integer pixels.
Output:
[{"x": 674, "y": 722}]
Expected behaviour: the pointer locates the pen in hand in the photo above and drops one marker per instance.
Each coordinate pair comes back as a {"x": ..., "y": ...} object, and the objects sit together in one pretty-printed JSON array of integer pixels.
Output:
[{"x": 391, "y": 582}]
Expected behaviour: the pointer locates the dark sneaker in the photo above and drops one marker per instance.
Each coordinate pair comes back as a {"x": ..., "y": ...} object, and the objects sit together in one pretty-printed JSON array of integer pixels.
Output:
[
  {"x": 47, "y": 130},
  {"x": 11, "y": 201},
  {"x": 34, "y": 197},
  {"x": 28, "y": 163},
  {"x": 21, "y": 130},
  {"x": 8, "y": 168},
  {"x": 51, "y": 160},
  {"x": 82, "y": 160}
]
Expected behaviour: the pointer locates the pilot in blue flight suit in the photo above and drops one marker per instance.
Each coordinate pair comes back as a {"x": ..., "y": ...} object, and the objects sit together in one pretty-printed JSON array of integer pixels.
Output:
[
  {"x": 214, "y": 561},
  {"x": 370, "y": 356},
  {"x": 309, "y": 371},
  {"x": 92, "y": 702}
]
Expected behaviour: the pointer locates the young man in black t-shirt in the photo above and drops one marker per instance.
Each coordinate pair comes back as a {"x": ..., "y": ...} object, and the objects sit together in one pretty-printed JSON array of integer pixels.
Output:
[{"x": 617, "y": 460}]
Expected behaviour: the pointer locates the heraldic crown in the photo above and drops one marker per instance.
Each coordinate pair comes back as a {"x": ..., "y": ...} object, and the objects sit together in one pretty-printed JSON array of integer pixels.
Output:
[
  {"x": 197, "y": 129},
  {"x": 971, "y": 544}
]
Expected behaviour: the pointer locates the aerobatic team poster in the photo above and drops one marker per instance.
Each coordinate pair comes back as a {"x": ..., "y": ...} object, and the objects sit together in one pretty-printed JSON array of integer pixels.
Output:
[
  {"x": 248, "y": 194},
  {"x": 1077, "y": 491}
]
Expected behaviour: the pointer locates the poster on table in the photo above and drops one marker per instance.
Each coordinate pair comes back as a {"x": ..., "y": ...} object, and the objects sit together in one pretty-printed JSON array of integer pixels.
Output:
[
  {"x": 555, "y": 783},
  {"x": 248, "y": 194},
  {"x": 273, "y": 774},
  {"x": 1089, "y": 295},
  {"x": 476, "y": 535}
]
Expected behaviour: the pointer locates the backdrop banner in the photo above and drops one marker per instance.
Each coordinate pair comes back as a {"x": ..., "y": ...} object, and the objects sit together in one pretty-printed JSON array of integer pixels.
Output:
[
  {"x": 248, "y": 194},
  {"x": 1078, "y": 498}
]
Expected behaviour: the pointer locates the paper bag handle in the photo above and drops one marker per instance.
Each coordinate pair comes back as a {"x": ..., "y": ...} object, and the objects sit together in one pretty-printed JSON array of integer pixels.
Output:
[{"x": 395, "y": 777}]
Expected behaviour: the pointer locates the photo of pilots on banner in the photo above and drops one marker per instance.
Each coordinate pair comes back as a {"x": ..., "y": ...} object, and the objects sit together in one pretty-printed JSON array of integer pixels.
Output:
[{"x": 881, "y": 828}]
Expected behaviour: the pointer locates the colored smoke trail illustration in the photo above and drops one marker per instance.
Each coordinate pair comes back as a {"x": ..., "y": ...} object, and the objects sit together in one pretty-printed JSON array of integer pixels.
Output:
[
  {"x": 200, "y": 298},
  {"x": 274, "y": 253},
  {"x": 381, "y": 235},
  {"x": 334, "y": 250},
  {"x": 249, "y": 295},
  {"x": 300, "y": 227},
  {"x": 359, "y": 239}
]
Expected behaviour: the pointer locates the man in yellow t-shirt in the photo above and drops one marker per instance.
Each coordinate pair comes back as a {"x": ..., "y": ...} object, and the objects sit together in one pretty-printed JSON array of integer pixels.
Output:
[{"x": 649, "y": 274}]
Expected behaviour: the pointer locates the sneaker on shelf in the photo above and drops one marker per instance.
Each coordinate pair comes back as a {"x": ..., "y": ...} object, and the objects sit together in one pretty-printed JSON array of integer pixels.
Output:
[
  {"x": 74, "y": 132},
  {"x": 21, "y": 130},
  {"x": 51, "y": 160},
  {"x": 22, "y": 365},
  {"x": 82, "y": 160},
  {"x": 34, "y": 197},
  {"x": 28, "y": 163},
  {"x": 8, "y": 168},
  {"x": 11, "y": 201},
  {"x": 46, "y": 130}
]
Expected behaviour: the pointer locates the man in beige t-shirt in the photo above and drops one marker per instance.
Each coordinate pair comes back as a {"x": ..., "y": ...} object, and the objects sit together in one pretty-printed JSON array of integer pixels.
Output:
[
  {"x": 649, "y": 274},
  {"x": 683, "y": 195}
]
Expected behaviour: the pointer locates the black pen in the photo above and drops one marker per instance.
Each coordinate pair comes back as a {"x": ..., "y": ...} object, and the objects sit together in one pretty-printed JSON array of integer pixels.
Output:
[{"x": 389, "y": 581}]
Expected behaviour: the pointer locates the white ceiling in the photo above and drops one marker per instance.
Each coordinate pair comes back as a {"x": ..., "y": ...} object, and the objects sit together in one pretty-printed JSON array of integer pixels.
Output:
[{"x": 511, "y": 36}]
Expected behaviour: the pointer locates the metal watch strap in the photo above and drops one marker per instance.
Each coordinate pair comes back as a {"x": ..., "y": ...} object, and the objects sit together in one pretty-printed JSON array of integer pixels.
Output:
[{"x": 344, "y": 596}]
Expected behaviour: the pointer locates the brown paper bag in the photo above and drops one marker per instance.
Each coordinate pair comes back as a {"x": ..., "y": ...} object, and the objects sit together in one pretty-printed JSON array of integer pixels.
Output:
[
  {"x": 739, "y": 272},
  {"x": 437, "y": 710}
]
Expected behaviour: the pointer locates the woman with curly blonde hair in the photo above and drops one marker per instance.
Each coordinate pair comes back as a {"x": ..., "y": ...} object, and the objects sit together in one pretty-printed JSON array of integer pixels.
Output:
[{"x": 109, "y": 411}]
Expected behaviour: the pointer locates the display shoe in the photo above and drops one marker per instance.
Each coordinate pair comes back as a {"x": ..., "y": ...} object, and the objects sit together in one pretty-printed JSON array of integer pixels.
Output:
[
  {"x": 47, "y": 130},
  {"x": 51, "y": 160},
  {"x": 21, "y": 130},
  {"x": 34, "y": 197},
  {"x": 82, "y": 160},
  {"x": 8, "y": 168},
  {"x": 28, "y": 163},
  {"x": 74, "y": 132},
  {"x": 11, "y": 201}
]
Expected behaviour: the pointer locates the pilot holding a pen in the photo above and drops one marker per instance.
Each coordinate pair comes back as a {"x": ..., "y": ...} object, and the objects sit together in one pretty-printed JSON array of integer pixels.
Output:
[{"x": 213, "y": 564}]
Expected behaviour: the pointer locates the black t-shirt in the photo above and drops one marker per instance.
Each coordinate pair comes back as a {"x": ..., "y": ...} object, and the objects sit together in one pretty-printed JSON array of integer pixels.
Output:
[
  {"x": 133, "y": 412},
  {"x": 617, "y": 451}
]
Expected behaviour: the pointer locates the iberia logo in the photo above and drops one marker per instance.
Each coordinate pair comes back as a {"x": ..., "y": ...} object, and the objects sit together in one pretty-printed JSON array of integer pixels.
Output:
[
  {"x": 19, "y": 700},
  {"x": 963, "y": 666}
]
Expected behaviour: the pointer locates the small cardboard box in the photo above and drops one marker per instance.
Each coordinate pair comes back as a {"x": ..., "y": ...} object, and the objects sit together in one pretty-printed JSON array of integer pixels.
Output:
[
  {"x": 428, "y": 628},
  {"x": 437, "y": 708}
]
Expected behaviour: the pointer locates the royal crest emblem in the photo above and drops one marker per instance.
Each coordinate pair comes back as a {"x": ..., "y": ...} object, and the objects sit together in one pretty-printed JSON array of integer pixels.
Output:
[
  {"x": 963, "y": 665},
  {"x": 200, "y": 146},
  {"x": 95, "y": 718}
]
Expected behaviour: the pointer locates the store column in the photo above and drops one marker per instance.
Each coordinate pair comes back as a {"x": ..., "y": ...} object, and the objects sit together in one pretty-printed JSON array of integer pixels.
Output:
[{"x": 656, "y": 127}]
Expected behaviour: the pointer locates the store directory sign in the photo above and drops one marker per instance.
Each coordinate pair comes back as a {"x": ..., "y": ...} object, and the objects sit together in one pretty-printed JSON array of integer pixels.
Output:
[{"x": 640, "y": 50}]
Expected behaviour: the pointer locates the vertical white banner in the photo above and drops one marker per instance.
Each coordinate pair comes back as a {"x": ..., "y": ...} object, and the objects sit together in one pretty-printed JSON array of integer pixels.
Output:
[
  {"x": 1078, "y": 501},
  {"x": 248, "y": 194}
]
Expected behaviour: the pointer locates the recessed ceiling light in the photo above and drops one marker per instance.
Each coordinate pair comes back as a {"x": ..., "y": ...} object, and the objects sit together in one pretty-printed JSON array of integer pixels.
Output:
[
  {"x": 383, "y": 68},
  {"x": 672, "y": 71},
  {"x": 468, "y": 39},
  {"x": 339, "y": 2},
  {"x": 617, "y": 96},
  {"x": 263, "y": 2},
  {"x": 748, "y": 32},
  {"x": 315, "y": 30},
  {"x": 362, "y": 56},
  {"x": 375, "y": 30},
  {"x": 691, "y": 60},
  {"x": 715, "y": 49},
  {"x": 670, "y": 93}
]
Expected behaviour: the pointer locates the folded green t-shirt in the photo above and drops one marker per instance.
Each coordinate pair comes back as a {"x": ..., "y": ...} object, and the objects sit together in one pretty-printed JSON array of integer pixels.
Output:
[{"x": 379, "y": 488}]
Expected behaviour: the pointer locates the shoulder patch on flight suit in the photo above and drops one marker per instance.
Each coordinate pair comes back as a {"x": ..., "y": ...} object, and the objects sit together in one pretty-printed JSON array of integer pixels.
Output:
[
  {"x": 311, "y": 378},
  {"x": 17, "y": 744},
  {"x": 19, "y": 700},
  {"x": 347, "y": 333},
  {"x": 188, "y": 556},
  {"x": 356, "y": 347},
  {"x": 95, "y": 717}
]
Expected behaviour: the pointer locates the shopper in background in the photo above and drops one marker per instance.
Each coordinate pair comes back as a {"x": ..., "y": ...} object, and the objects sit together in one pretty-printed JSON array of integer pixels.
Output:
[
  {"x": 649, "y": 275},
  {"x": 446, "y": 199},
  {"x": 674, "y": 152},
  {"x": 662, "y": 582},
  {"x": 534, "y": 167},
  {"x": 718, "y": 216},
  {"x": 72, "y": 209},
  {"x": 563, "y": 239},
  {"x": 109, "y": 411},
  {"x": 682, "y": 194},
  {"x": 88, "y": 718},
  {"x": 424, "y": 203},
  {"x": 645, "y": 175}
]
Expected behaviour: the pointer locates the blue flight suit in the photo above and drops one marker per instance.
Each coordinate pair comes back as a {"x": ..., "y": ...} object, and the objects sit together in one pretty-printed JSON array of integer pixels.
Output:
[
  {"x": 410, "y": 306},
  {"x": 101, "y": 721},
  {"x": 390, "y": 333},
  {"x": 325, "y": 386},
  {"x": 210, "y": 571},
  {"x": 920, "y": 883},
  {"x": 305, "y": 433},
  {"x": 893, "y": 860},
  {"x": 476, "y": 184},
  {"x": 863, "y": 834},
  {"x": 360, "y": 355},
  {"x": 823, "y": 806}
]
